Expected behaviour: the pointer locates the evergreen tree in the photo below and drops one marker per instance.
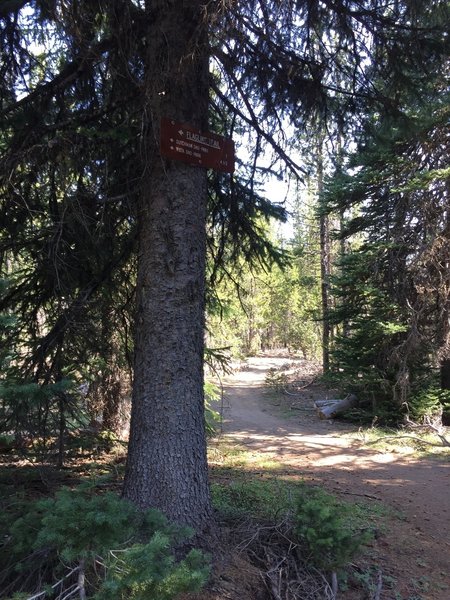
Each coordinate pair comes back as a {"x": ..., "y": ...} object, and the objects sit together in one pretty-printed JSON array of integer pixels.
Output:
[{"x": 394, "y": 285}]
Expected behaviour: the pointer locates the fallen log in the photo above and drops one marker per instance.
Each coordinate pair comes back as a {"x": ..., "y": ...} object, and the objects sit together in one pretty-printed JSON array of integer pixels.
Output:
[
  {"x": 328, "y": 409},
  {"x": 320, "y": 403}
]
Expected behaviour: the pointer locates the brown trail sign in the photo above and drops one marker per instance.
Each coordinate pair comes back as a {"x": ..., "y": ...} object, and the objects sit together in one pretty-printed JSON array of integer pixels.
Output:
[{"x": 186, "y": 144}]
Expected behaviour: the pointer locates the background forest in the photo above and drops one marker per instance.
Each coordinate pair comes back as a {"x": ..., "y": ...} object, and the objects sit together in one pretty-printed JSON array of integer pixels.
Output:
[{"x": 365, "y": 284}]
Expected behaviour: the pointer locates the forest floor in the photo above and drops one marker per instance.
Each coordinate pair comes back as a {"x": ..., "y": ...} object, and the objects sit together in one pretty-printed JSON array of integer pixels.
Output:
[
  {"x": 412, "y": 547},
  {"x": 271, "y": 446}
]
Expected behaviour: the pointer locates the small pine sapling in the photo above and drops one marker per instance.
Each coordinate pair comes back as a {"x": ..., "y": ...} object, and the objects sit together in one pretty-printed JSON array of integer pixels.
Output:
[
  {"x": 321, "y": 528},
  {"x": 106, "y": 541}
]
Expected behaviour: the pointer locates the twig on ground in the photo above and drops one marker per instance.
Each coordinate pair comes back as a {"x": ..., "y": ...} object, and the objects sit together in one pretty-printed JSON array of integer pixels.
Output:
[
  {"x": 334, "y": 584},
  {"x": 306, "y": 408},
  {"x": 377, "y": 594},
  {"x": 407, "y": 437},
  {"x": 360, "y": 495},
  {"x": 81, "y": 581},
  {"x": 428, "y": 426},
  {"x": 298, "y": 389},
  {"x": 74, "y": 589},
  {"x": 246, "y": 543},
  {"x": 55, "y": 585},
  {"x": 287, "y": 573}
]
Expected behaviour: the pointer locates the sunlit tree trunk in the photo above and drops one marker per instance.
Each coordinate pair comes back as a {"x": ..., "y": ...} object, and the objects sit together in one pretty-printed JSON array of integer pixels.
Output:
[
  {"x": 445, "y": 311},
  {"x": 325, "y": 264}
]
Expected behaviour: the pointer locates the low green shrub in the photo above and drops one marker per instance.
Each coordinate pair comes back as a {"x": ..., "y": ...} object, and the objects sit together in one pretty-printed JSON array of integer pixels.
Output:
[
  {"x": 83, "y": 528},
  {"x": 76, "y": 523},
  {"x": 149, "y": 570},
  {"x": 320, "y": 526},
  {"x": 212, "y": 417},
  {"x": 276, "y": 380},
  {"x": 430, "y": 402}
]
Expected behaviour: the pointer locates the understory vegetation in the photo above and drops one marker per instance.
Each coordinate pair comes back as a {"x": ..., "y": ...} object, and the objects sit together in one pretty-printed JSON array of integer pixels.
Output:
[
  {"x": 68, "y": 534},
  {"x": 85, "y": 543}
]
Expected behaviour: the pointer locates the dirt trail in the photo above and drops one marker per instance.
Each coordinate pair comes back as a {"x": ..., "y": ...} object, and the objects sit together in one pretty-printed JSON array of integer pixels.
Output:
[{"x": 321, "y": 451}]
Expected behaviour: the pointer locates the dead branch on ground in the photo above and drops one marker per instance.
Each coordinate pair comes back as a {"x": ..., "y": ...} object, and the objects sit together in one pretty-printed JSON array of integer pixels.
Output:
[{"x": 286, "y": 571}]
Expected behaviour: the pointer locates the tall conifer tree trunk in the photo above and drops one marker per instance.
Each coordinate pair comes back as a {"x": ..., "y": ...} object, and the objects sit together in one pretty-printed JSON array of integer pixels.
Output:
[
  {"x": 445, "y": 310},
  {"x": 167, "y": 467},
  {"x": 325, "y": 263}
]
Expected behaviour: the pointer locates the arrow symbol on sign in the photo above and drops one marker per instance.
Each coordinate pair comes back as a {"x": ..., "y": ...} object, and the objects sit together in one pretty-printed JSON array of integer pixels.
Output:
[{"x": 181, "y": 132}]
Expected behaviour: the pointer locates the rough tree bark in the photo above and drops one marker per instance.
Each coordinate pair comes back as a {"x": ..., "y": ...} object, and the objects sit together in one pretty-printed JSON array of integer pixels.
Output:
[{"x": 166, "y": 466}]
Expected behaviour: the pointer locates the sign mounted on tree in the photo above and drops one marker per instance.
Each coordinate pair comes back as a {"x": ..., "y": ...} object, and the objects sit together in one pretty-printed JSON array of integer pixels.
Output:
[{"x": 186, "y": 144}]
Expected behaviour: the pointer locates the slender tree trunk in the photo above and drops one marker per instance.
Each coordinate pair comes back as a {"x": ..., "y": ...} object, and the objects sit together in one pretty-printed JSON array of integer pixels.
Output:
[
  {"x": 325, "y": 266},
  {"x": 343, "y": 249},
  {"x": 343, "y": 246},
  {"x": 325, "y": 273},
  {"x": 166, "y": 466},
  {"x": 61, "y": 429},
  {"x": 445, "y": 374},
  {"x": 112, "y": 401},
  {"x": 445, "y": 312}
]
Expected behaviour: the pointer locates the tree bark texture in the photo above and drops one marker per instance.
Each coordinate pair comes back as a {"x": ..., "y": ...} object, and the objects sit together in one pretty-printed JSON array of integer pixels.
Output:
[{"x": 167, "y": 466}]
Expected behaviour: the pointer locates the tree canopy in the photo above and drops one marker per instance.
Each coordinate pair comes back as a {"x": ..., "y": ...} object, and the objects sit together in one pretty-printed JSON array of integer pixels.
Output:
[{"x": 393, "y": 289}]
